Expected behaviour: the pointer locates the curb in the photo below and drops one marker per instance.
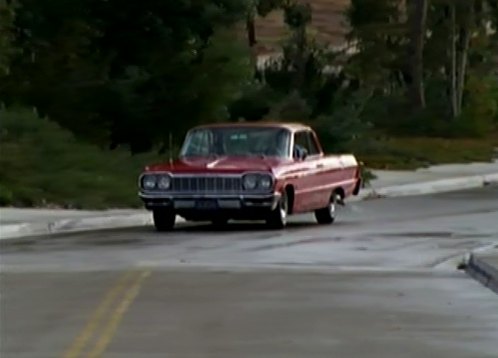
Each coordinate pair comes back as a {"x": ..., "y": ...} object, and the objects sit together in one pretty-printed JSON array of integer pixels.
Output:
[
  {"x": 483, "y": 272},
  {"x": 432, "y": 187},
  {"x": 63, "y": 226}
]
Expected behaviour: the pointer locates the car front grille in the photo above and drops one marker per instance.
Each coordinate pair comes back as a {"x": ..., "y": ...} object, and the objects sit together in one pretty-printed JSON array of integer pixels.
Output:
[{"x": 206, "y": 184}]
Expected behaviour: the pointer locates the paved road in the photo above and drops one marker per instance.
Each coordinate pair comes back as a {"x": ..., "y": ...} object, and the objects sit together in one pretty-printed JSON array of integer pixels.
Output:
[{"x": 380, "y": 283}]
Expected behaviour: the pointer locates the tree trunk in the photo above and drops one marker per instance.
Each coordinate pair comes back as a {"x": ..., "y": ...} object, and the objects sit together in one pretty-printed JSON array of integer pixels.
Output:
[
  {"x": 251, "y": 30},
  {"x": 300, "y": 57},
  {"x": 462, "y": 70},
  {"x": 417, "y": 18},
  {"x": 453, "y": 70}
]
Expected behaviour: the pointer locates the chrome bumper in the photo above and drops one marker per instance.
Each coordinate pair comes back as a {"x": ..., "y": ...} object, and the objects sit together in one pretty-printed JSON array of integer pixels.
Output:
[{"x": 182, "y": 201}]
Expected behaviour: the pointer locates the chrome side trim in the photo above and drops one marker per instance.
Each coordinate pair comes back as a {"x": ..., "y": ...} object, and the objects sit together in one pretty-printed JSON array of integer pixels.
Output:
[{"x": 326, "y": 187}]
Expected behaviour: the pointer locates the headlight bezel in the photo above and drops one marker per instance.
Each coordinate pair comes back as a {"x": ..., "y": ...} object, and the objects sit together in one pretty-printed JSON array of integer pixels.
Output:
[
  {"x": 270, "y": 182},
  {"x": 160, "y": 180},
  {"x": 252, "y": 176},
  {"x": 258, "y": 177},
  {"x": 147, "y": 178},
  {"x": 156, "y": 178}
]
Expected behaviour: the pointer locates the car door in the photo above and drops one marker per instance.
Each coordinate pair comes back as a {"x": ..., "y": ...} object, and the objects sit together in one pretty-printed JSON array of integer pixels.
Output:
[
  {"x": 306, "y": 186},
  {"x": 327, "y": 175}
]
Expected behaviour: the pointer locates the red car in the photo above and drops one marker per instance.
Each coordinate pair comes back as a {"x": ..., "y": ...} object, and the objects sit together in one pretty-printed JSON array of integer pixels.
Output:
[{"x": 249, "y": 171}]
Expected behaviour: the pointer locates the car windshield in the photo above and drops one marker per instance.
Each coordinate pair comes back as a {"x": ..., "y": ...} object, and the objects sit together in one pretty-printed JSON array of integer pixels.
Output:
[{"x": 237, "y": 141}]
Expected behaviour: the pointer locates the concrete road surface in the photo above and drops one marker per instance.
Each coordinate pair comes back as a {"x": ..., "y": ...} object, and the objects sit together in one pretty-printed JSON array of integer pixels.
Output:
[{"x": 380, "y": 283}]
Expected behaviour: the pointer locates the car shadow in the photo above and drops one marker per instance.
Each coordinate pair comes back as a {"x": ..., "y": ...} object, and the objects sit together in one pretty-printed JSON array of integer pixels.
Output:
[{"x": 233, "y": 227}]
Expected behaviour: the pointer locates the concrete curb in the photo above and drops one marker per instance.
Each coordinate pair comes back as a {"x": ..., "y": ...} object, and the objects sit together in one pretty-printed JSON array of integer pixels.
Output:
[
  {"x": 480, "y": 270},
  {"x": 15, "y": 231},
  {"x": 432, "y": 187}
]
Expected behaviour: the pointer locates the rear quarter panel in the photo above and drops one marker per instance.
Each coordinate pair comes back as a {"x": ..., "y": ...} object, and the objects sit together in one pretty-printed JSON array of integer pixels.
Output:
[{"x": 315, "y": 179}]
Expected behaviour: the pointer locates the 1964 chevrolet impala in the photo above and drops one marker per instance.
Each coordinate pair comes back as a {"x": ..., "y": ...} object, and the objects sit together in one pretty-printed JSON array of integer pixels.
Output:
[{"x": 249, "y": 171}]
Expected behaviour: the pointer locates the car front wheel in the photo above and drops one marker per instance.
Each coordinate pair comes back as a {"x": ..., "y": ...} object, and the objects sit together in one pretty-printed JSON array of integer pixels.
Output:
[
  {"x": 327, "y": 215},
  {"x": 164, "y": 219},
  {"x": 278, "y": 217}
]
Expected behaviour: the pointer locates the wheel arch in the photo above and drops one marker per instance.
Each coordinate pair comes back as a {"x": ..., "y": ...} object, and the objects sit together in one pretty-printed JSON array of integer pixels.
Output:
[
  {"x": 339, "y": 191},
  {"x": 290, "y": 192}
]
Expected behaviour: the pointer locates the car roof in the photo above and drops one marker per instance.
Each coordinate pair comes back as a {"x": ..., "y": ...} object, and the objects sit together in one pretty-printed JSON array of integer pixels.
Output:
[{"x": 291, "y": 126}]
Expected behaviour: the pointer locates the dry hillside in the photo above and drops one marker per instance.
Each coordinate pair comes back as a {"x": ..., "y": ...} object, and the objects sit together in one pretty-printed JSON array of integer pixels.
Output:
[{"x": 328, "y": 25}]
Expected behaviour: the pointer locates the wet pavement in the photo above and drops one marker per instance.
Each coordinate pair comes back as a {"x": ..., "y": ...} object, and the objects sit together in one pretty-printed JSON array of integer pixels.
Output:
[{"x": 382, "y": 282}]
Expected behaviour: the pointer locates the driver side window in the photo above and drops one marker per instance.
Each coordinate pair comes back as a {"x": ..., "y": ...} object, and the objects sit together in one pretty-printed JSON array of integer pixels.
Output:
[
  {"x": 304, "y": 140},
  {"x": 300, "y": 144}
]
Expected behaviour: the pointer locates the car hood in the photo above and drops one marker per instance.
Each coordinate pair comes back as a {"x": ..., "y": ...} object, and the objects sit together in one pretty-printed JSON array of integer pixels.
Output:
[{"x": 223, "y": 164}]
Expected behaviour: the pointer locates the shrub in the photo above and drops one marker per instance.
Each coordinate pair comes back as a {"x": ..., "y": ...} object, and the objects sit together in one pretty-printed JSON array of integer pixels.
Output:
[{"x": 42, "y": 164}]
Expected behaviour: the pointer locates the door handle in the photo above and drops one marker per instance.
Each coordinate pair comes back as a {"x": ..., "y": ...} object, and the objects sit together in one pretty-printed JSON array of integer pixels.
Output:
[{"x": 319, "y": 166}]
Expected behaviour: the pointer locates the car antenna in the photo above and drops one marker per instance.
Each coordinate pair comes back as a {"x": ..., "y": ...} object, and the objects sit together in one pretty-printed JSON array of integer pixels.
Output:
[{"x": 170, "y": 145}]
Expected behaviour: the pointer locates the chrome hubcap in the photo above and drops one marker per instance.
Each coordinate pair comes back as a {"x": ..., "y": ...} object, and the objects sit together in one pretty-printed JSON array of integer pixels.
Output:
[
  {"x": 283, "y": 213},
  {"x": 283, "y": 209},
  {"x": 332, "y": 207}
]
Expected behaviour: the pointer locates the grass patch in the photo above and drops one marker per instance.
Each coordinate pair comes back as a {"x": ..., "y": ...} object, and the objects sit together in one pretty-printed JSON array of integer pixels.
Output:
[
  {"x": 412, "y": 153},
  {"x": 43, "y": 165}
]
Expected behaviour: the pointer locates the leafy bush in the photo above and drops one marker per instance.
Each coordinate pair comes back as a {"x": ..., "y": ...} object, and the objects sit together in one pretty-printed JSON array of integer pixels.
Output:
[
  {"x": 292, "y": 108},
  {"x": 344, "y": 125},
  {"x": 412, "y": 153},
  {"x": 481, "y": 108},
  {"x": 254, "y": 103},
  {"x": 44, "y": 165},
  {"x": 390, "y": 113}
]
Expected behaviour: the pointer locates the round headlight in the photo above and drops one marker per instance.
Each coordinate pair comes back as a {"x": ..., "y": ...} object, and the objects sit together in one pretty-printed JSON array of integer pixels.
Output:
[
  {"x": 265, "y": 182},
  {"x": 250, "y": 181},
  {"x": 149, "y": 182},
  {"x": 164, "y": 182}
]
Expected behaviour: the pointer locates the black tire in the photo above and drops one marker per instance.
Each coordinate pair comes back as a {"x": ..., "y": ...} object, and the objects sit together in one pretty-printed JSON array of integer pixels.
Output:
[
  {"x": 327, "y": 215},
  {"x": 277, "y": 218},
  {"x": 164, "y": 219}
]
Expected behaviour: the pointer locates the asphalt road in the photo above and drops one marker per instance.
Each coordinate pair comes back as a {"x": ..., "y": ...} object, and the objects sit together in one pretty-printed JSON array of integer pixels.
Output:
[{"x": 381, "y": 282}]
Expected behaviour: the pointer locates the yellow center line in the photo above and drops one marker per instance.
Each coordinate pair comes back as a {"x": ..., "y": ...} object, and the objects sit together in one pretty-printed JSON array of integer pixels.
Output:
[
  {"x": 93, "y": 323},
  {"x": 117, "y": 316}
]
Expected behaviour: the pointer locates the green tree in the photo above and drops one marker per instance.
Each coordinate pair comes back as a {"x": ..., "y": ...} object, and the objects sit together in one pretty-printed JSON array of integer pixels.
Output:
[
  {"x": 297, "y": 16},
  {"x": 417, "y": 18},
  {"x": 379, "y": 35},
  {"x": 462, "y": 44},
  {"x": 6, "y": 36},
  {"x": 418, "y": 59},
  {"x": 128, "y": 72}
]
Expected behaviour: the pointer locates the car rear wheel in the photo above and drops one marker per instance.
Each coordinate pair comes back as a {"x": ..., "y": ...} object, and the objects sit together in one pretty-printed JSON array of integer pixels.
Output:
[
  {"x": 278, "y": 217},
  {"x": 327, "y": 215},
  {"x": 164, "y": 219}
]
